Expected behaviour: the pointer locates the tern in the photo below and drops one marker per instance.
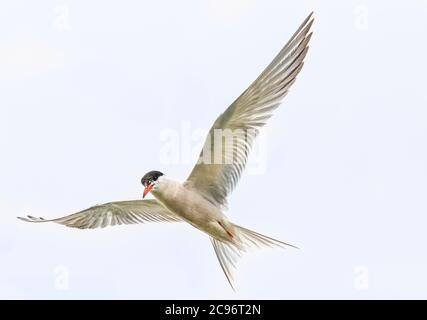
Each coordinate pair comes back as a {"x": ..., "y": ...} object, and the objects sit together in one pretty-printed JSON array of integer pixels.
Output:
[{"x": 201, "y": 200}]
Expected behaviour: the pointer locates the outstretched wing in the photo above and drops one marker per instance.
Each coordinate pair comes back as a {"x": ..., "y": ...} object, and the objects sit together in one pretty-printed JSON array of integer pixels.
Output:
[
  {"x": 114, "y": 213},
  {"x": 243, "y": 119}
]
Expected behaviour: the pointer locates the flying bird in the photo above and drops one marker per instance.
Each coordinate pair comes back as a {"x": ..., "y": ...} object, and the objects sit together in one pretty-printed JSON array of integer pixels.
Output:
[{"x": 201, "y": 200}]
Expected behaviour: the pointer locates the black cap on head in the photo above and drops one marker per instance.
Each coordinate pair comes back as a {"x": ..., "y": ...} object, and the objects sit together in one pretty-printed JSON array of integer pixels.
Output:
[{"x": 150, "y": 177}]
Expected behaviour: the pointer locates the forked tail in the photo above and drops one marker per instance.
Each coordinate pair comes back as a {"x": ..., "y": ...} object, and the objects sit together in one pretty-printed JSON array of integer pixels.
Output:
[{"x": 228, "y": 253}]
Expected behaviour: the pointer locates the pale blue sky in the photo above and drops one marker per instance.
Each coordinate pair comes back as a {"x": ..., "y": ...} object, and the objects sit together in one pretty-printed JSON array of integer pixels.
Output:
[{"x": 88, "y": 88}]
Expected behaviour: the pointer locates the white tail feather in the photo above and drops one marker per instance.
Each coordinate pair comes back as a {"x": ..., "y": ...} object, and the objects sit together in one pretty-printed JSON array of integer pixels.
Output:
[{"x": 228, "y": 253}]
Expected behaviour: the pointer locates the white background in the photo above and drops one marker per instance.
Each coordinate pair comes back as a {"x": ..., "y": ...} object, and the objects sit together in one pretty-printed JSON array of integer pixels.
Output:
[{"x": 88, "y": 87}]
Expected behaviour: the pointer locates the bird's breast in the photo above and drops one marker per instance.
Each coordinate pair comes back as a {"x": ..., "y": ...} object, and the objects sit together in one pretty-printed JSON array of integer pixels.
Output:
[{"x": 187, "y": 203}]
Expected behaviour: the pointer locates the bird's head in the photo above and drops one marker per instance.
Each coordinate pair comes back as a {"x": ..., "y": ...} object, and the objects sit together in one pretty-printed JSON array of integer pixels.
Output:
[{"x": 150, "y": 180}]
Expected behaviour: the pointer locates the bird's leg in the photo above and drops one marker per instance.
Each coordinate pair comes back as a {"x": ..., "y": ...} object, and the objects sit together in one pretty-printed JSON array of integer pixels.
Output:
[{"x": 228, "y": 232}]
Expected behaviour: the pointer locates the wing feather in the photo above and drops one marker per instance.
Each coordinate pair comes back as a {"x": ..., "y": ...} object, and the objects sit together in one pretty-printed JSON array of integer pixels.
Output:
[
  {"x": 244, "y": 117},
  {"x": 114, "y": 213}
]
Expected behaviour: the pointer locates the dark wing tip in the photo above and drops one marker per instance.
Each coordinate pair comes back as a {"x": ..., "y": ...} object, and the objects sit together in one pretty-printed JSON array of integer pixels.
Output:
[
  {"x": 32, "y": 219},
  {"x": 309, "y": 24},
  {"x": 291, "y": 245},
  {"x": 309, "y": 19}
]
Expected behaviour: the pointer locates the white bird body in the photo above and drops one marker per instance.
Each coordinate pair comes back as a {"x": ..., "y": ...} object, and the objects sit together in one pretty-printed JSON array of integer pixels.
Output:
[
  {"x": 202, "y": 198},
  {"x": 193, "y": 208}
]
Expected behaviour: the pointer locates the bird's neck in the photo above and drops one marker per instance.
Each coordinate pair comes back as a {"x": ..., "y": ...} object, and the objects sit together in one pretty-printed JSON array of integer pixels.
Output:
[{"x": 165, "y": 188}]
